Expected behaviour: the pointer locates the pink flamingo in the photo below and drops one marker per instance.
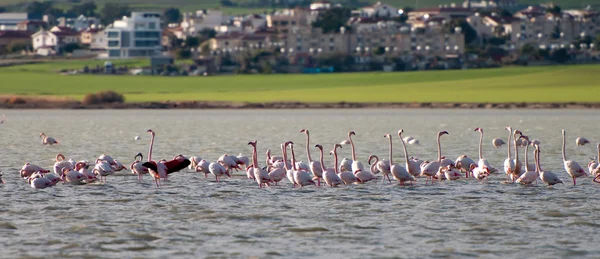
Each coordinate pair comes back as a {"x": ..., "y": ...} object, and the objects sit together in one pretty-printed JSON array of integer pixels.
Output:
[
  {"x": 261, "y": 175},
  {"x": 301, "y": 176},
  {"x": 572, "y": 167},
  {"x": 315, "y": 166},
  {"x": 329, "y": 175},
  {"x": 162, "y": 169},
  {"x": 137, "y": 168},
  {"x": 430, "y": 169}
]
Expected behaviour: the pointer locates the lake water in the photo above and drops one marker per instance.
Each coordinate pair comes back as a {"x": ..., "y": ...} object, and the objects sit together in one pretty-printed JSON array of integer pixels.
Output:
[{"x": 192, "y": 217}]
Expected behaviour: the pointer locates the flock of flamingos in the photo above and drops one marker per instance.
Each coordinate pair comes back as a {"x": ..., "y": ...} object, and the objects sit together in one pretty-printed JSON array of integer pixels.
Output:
[{"x": 315, "y": 172}]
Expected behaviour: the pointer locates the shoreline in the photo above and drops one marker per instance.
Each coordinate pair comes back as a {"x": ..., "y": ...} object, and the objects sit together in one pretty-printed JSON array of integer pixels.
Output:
[{"x": 56, "y": 103}]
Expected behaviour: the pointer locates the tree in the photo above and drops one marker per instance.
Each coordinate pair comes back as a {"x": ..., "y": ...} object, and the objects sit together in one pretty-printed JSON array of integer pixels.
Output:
[
  {"x": 208, "y": 33},
  {"x": 379, "y": 50},
  {"x": 192, "y": 42},
  {"x": 556, "y": 10},
  {"x": 40, "y": 8},
  {"x": 597, "y": 42},
  {"x": 16, "y": 47},
  {"x": 333, "y": 19},
  {"x": 560, "y": 55},
  {"x": 404, "y": 15},
  {"x": 171, "y": 15},
  {"x": 114, "y": 11},
  {"x": 527, "y": 49},
  {"x": 69, "y": 48},
  {"x": 184, "y": 53},
  {"x": 227, "y": 3},
  {"x": 2, "y": 9},
  {"x": 88, "y": 9}
]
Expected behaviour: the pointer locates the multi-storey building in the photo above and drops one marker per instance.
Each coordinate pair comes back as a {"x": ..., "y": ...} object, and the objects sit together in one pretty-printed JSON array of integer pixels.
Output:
[{"x": 135, "y": 36}]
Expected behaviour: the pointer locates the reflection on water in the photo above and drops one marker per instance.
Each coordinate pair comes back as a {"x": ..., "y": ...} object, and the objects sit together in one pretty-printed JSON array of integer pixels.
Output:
[{"x": 191, "y": 216}]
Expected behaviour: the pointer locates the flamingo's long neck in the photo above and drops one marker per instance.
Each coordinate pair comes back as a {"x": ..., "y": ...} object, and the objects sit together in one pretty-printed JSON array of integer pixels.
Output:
[
  {"x": 536, "y": 158},
  {"x": 480, "y": 144},
  {"x": 335, "y": 159},
  {"x": 321, "y": 160},
  {"x": 526, "y": 158},
  {"x": 516, "y": 149},
  {"x": 293, "y": 158},
  {"x": 254, "y": 156},
  {"x": 307, "y": 149},
  {"x": 404, "y": 147},
  {"x": 598, "y": 157},
  {"x": 352, "y": 145},
  {"x": 374, "y": 165},
  {"x": 563, "y": 147},
  {"x": 391, "y": 163},
  {"x": 284, "y": 152},
  {"x": 268, "y": 156},
  {"x": 509, "y": 134},
  {"x": 150, "y": 152},
  {"x": 439, "y": 149}
]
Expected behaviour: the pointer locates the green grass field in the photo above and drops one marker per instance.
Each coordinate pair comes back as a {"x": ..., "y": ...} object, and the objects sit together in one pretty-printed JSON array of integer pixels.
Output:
[{"x": 514, "y": 84}]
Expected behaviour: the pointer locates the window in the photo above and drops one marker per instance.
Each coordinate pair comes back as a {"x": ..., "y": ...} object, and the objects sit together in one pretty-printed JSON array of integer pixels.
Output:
[
  {"x": 152, "y": 25},
  {"x": 147, "y": 34},
  {"x": 284, "y": 23},
  {"x": 330, "y": 48},
  {"x": 146, "y": 43},
  {"x": 299, "y": 48},
  {"x": 293, "y": 22},
  {"x": 113, "y": 43},
  {"x": 113, "y": 34},
  {"x": 114, "y": 53}
]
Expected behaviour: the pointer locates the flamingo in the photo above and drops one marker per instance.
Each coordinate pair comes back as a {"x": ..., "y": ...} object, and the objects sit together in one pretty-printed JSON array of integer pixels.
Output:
[
  {"x": 451, "y": 172},
  {"x": 1, "y": 180},
  {"x": 518, "y": 170},
  {"x": 547, "y": 177},
  {"x": 534, "y": 142},
  {"x": 38, "y": 181},
  {"x": 429, "y": 169},
  {"x": 528, "y": 166},
  {"x": 82, "y": 167},
  {"x": 276, "y": 174},
  {"x": 61, "y": 164},
  {"x": 243, "y": 160},
  {"x": 228, "y": 162},
  {"x": 382, "y": 166},
  {"x": 102, "y": 169},
  {"x": 356, "y": 165},
  {"x": 580, "y": 141},
  {"x": 72, "y": 177},
  {"x": 529, "y": 176},
  {"x": 289, "y": 172},
  {"x": 479, "y": 173},
  {"x": 315, "y": 166},
  {"x": 217, "y": 169},
  {"x": 329, "y": 175},
  {"x": 482, "y": 162},
  {"x": 162, "y": 169},
  {"x": 346, "y": 176},
  {"x": 261, "y": 175},
  {"x": 497, "y": 142},
  {"x": 47, "y": 140},
  {"x": 345, "y": 164},
  {"x": 29, "y": 169},
  {"x": 463, "y": 163},
  {"x": 572, "y": 167},
  {"x": 399, "y": 173},
  {"x": 137, "y": 167},
  {"x": 509, "y": 164},
  {"x": 594, "y": 165},
  {"x": 194, "y": 160},
  {"x": 203, "y": 167},
  {"x": 301, "y": 176}
]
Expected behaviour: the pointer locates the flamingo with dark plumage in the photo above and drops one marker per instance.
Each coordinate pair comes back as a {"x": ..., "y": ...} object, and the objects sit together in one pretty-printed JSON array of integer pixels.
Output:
[{"x": 162, "y": 169}]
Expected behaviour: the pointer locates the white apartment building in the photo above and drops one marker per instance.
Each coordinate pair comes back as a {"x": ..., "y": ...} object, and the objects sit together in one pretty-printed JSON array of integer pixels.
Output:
[
  {"x": 9, "y": 21},
  {"x": 193, "y": 23},
  {"x": 136, "y": 36}
]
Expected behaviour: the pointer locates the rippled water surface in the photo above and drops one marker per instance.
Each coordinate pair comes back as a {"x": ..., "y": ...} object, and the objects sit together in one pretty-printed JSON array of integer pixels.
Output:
[{"x": 191, "y": 216}]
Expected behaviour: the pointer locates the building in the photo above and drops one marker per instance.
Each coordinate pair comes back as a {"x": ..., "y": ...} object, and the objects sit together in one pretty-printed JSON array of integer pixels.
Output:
[
  {"x": 283, "y": 21},
  {"x": 377, "y": 10},
  {"x": 32, "y": 25},
  {"x": 448, "y": 13},
  {"x": 490, "y": 4},
  {"x": 135, "y": 36},
  {"x": 193, "y": 23},
  {"x": 94, "y": 38},
  {"x": 46, "y": 42},
  {"x": 80, "y": 23},
  {"x": 313, "y": 41},
  {"x": 238, "y": 42},
  {"x": 14, "y": 38},
  {"x": 9, "y": 21},
  {"x": 492, "y": 25}
]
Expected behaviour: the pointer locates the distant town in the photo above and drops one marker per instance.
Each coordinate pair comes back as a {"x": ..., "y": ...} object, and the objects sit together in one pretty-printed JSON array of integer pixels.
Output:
[{"x": 322, "y": 37}]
